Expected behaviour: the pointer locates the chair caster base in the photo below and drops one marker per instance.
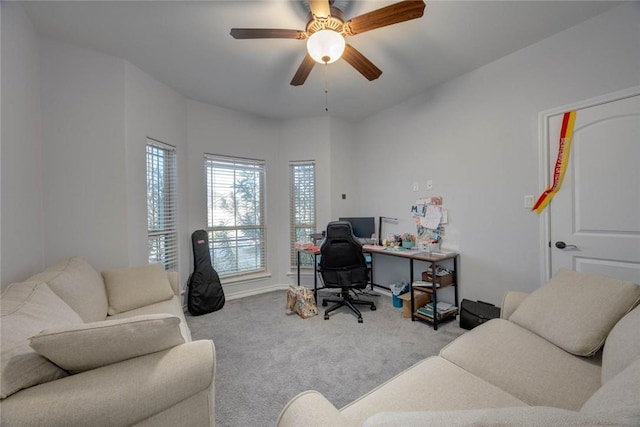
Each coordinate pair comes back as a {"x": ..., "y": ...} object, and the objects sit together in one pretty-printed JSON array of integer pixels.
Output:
[
  {"x": 359, "y": 319},
  {"x": 326, "y": 317},
  {"x": 324, "y": 303},
  {"x": 373, "y": 308}
]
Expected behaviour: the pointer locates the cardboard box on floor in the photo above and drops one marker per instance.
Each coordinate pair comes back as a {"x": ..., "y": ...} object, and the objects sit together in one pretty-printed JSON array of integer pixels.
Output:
[{"x": 420, "y": 299}]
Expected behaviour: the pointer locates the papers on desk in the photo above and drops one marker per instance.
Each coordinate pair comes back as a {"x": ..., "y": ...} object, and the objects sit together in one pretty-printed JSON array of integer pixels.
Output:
[
  {"x": 432, "y": 217},
  {"x": 373, "y": 247}
]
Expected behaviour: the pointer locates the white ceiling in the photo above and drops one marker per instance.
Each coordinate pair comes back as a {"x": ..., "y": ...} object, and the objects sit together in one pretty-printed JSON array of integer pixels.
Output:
[{"x": 186, "y": 45}]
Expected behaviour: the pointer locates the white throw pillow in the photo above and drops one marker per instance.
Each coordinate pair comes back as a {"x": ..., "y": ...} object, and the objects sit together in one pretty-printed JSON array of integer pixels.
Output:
[
  {"x": 26, "y": 309},
  {"x": 576, "y": 311},
  {"x": 135, "y": 287},
  {"x": 92, "y": 345}
]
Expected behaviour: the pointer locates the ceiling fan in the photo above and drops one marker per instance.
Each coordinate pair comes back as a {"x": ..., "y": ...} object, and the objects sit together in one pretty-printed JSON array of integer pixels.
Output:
[{"x": 325, "y": 33}]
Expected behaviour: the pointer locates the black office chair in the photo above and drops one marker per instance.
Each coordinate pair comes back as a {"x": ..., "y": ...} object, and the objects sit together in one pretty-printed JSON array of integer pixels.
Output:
[{"x": 342, "y": 265}]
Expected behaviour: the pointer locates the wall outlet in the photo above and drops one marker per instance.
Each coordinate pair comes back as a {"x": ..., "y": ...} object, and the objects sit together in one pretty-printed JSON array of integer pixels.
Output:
[
  {"x": 416, "y": 186},
  {"x": 429, "y": 184},
  {"x": 528, "y": 201}
]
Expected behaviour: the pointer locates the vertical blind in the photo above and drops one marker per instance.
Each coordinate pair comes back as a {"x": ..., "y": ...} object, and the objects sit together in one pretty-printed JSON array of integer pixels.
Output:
[
  {"x": 235, "y": 214},
  {"x": 302, "y": 207},
  {"x": 162, "y": 230}
]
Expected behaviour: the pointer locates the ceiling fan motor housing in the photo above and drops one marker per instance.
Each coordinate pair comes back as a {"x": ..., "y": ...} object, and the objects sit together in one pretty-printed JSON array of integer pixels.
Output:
[{"x": 334, "y": 22}]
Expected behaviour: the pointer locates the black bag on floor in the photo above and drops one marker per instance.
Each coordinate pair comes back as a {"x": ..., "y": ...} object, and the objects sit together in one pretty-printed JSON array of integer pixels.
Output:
[
  {"x": 205, "y": 290},
  {"x": 475, "y": 313}
]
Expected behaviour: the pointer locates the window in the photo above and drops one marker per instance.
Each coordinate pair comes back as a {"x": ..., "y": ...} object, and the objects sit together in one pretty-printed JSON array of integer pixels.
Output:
[
  {"x": 235, "y": 214},
  {"x": 162, "y": 230},
  {"x": 302, "y": 206}
]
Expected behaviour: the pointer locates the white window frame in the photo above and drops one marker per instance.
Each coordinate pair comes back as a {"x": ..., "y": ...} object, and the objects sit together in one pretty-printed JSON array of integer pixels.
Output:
[
  {"x": 162, "y": 204},
  {"x": 227, "y": 238},
  {"x": 302, "y": 207}
]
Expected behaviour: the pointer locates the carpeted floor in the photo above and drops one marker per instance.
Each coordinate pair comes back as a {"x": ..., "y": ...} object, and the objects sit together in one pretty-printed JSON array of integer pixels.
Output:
[{"x": 265, "y": 357}]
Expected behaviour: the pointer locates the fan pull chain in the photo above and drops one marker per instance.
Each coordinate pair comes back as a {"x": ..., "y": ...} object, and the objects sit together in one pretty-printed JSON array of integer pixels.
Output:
[{"x": 326, "y": 87}]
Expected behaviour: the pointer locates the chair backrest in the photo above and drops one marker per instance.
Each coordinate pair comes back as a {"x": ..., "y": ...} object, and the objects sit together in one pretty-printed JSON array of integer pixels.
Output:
[{"x": 342, "y": 264}]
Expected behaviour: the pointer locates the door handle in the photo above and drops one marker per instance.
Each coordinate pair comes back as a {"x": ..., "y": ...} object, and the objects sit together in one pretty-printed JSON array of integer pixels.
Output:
[{"x": 562, "y": 245}]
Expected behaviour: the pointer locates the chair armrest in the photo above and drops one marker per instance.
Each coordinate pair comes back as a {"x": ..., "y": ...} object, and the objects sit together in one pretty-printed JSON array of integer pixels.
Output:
[
  {"x": 122, "y": 393},
  {"x": 510, "y": 302},
  {"x": 311, "y": 409}
]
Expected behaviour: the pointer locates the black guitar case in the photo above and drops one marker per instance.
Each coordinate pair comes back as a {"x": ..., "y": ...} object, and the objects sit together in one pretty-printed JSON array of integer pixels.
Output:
[{"x": 205, "y": 290}]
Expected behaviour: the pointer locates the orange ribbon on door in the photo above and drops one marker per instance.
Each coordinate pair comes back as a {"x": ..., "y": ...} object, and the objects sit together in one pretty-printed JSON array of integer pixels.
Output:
[{"x": 564, "y": 147}]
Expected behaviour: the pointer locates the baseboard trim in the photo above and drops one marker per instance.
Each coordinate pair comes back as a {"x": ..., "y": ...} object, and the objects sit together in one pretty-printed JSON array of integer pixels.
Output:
[{"x": 257, "y": 291}]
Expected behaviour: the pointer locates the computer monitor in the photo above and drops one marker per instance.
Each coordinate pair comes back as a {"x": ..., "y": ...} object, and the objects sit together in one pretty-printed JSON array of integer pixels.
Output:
[{"x": 363, "y": 227}]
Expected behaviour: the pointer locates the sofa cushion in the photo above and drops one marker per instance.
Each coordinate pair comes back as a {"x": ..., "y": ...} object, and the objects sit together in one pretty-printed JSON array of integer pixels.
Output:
[
  {"x": 431, "y": 384},
  {"x": 80, "y": 286},
  {"x": 26, "y": 309},
  {"x": 619, "y": 397},
  {"x": 622, "y": 346},
  {"x": 135, "y": 287},
  {"x": 80, "y": 348},
  {"x": 576, "y": 311},
  {"x": 172, "y": 306},
  {"x": 537, "y": 416},
  {"x": 525, "y": 365}
]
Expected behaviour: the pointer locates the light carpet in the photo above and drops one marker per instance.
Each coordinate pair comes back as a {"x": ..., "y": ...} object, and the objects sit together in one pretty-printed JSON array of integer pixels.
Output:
[{"x": 265, "y": 357}]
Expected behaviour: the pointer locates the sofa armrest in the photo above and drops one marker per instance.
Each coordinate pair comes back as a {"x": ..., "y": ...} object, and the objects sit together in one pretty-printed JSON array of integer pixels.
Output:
[
  {"x": 174, "y": 281},
  {"x": 119, "y": 394},
  {"x": 532, "y": 416},
  {"x": 311, "y": 408},
  {"x": 510, "y": 302}
]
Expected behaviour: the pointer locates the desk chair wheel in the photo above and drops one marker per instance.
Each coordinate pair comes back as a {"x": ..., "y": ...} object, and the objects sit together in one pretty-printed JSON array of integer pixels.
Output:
[
  {"x": 326, "y": 316},
  {"x": 359, "y": 319},
  {"x": 324, "y": 303},
  {"x": 373, "y": 308}
]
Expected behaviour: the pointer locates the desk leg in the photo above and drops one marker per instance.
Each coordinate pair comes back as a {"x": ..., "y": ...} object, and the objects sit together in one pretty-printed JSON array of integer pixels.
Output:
[
  {"x": 298, "y": 262},
  {"x": 371, "y": 271},
  {"x": 315, "y": 277},
  {"x": 455, "y": 281},
  {"x": 434, "y": 294},
  {"x": 413, "y": 303}
]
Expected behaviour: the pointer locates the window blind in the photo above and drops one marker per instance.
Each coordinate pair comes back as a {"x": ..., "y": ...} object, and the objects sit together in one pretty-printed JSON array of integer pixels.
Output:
[
  {"x": 302, "y": 207},
  {"x": 162, "y": 209},
  {"x": 235, "y": 214}
]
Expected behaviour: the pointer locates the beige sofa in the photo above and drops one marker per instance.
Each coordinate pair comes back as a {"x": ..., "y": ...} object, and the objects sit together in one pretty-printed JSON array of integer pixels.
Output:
[
  {"x": 80, "y": 348},
  {"x": 568, "y": 354}
]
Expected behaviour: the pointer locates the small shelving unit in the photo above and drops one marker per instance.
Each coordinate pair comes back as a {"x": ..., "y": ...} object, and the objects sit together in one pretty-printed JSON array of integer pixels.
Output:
[{"x": 434, "y": 288}]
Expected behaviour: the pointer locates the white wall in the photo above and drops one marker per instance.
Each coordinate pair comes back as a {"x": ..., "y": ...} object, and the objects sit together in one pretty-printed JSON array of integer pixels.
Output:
[
  {"x": 344, "y": 156},
  {"x": 476, "y": 137},
  {"x": 216, "y": 130},
  {"x": 85, "y": 198},
  {"x": 153, "y": 110},
  {"x": 21, "y": 166}
]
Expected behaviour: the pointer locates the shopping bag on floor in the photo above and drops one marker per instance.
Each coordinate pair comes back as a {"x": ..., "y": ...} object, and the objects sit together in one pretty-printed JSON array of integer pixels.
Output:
[{"x": 301, "y": 300}]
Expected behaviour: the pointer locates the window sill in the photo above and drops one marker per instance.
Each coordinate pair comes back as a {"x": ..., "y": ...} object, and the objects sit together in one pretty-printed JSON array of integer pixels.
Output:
[
  {"x": 304, "y": 272},
  {"x": 254, "y": 277}
]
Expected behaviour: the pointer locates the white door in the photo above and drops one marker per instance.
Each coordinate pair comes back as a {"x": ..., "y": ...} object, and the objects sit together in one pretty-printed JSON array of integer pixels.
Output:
[{"x": 595, "y": 216}]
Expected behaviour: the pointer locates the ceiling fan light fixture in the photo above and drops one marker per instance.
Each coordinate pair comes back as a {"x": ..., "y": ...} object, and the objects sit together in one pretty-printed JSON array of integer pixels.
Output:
[{"x": 326, "y": 46}]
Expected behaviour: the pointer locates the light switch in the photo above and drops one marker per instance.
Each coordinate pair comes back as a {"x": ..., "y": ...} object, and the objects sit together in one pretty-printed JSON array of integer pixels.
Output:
[
  {"x": 429, "y": 184},
  {"x": 416, "y": 186}
]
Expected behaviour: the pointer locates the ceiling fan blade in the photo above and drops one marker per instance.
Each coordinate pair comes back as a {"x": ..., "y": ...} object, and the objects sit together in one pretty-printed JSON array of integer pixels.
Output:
[
  {"x": 267, "y": 33},
  {"x": 389, "y": 15},
  {"x": 303, "y": 71},
  {"x": 320, "y": 8},
  {"x": 361, "y": 63}
]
